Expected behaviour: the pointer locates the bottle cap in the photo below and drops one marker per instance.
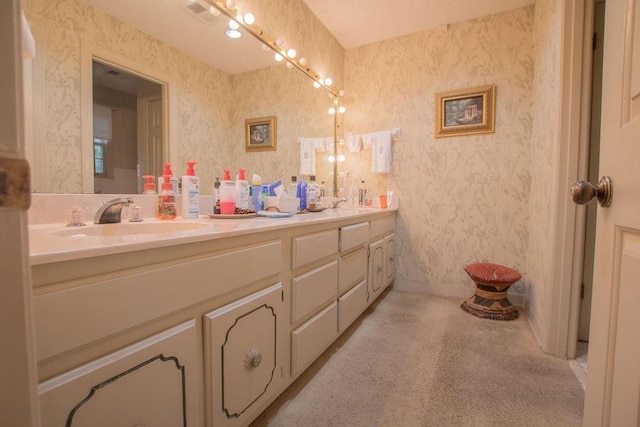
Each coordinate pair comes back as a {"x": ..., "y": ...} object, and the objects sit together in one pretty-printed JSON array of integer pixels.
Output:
[
  {"x": 216, "y": 184},
  {"x": 167, "y": 170},
  {"x": 190, "y": 170},
  {"x": 166, "y": 185},
  {"x": 227, "y": 175},
  {"x": 294, "y": 178},
  {"x": 312, "y": 178},
  {"x": 241, "y": 175},
  {"x": 149, "y": 185}
]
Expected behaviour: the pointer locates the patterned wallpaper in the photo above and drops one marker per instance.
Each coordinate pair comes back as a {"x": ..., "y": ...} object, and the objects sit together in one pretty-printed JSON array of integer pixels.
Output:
[
  {"x": 544, "y": 160},
  {"x": 211, "y": 106},
  {"x": 462, "y": 199}
]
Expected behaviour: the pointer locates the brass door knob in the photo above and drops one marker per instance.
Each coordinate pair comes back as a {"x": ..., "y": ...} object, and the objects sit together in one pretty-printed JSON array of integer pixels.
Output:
[{"x": 582, "y": 192}]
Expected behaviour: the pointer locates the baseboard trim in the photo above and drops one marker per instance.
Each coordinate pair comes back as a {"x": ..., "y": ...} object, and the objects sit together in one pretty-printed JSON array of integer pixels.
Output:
[{"x": 455, "y": 291}]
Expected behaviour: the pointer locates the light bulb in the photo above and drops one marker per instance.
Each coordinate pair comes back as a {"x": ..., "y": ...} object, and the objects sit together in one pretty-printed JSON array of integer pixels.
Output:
[
  {"x": 331, "y": 158},
  {"x": 214, "y": 11},
  {"x": 341, "y": 158},
  {"x": 316, "y": 85},
  {"x": 332, "y": 111},
  {"x": 328, "y": 81},
  {"x": 341, "y": 109},
  {"x": 231, "y": 4},
  {"x": 265, "y": 47},
  {"x": 302, "y": 61},
  {"x": 249, "y": 18},
  {"x": 278, "y": 57},
  {"x": 341, "y": 92},
  {"x": 321, "y": 81},
  {"x": 233, "y": 24},
  {"x": 234, "y": 34},
  {"x": 289, "y": 65},
  {"x": 279, "y": 42},
  {"x": 291, "y": 53}
]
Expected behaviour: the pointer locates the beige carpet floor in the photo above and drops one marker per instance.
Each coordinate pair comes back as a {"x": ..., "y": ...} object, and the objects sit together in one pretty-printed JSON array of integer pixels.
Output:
[{"x": 418, "y": 360}]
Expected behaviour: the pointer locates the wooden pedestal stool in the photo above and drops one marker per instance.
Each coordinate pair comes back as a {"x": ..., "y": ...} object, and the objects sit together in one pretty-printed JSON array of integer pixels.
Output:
[{"x": 490, "y": 300}]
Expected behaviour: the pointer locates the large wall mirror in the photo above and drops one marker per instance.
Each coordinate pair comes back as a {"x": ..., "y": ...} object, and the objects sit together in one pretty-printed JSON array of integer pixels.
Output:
[{"x": 173, "y": 106}]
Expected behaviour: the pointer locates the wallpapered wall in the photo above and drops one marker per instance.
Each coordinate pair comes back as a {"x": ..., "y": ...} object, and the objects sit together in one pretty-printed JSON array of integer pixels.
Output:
[
  {"x": 211, "y": 106},
  {"x": 462, "y": 199}
]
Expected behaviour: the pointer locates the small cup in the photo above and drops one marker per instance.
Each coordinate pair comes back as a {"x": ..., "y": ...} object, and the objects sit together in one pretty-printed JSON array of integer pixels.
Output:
[{"x": 383, "y": 201}]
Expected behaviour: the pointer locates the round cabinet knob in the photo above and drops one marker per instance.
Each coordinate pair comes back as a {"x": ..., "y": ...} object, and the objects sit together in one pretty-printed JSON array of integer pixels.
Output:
[
  {"x": 252, "y": 359},
  {"x": 582, "y": 192}
]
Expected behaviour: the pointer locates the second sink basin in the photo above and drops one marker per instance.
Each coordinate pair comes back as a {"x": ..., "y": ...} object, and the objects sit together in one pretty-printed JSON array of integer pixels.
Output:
[{"x": 130, "y": 228}]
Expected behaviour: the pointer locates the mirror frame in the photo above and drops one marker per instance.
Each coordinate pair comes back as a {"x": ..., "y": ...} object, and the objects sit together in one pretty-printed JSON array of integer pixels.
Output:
[{"x": 88, "y": 53}]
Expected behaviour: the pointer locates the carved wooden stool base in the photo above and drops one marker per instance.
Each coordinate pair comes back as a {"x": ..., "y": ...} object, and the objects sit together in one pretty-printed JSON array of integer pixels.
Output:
[{"x": 490, "y": 300}]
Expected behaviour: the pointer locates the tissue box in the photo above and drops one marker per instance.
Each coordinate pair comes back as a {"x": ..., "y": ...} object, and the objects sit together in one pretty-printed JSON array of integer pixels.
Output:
[{"x": 282, "y": 204}]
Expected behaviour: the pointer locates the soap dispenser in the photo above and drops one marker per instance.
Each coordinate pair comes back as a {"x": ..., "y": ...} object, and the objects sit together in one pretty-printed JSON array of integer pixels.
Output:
[
  {"x": 149, "y": 186},
  {"x": 166, "y": 200},
  {"x": 190, "y": 192},
  {"x": 242, "y": 191},
  {"x": 227, "y": 195}
]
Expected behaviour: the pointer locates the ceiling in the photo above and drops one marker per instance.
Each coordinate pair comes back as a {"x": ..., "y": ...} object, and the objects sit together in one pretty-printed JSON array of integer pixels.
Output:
[
  {"x": 193, "y": 30},
  {"x": 359, "y": 22}
]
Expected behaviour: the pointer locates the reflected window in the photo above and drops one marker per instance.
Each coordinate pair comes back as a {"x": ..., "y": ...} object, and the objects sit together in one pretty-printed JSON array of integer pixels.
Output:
[{"x": 99, "y": 154}]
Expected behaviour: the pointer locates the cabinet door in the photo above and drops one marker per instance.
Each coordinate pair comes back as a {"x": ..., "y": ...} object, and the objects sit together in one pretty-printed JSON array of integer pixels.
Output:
[
  {"x": 242, "y": 361},
  {"x": 389, "y": 265},
  {"x": 376, "y": 277},
  {"x": 153, "y": 383}
]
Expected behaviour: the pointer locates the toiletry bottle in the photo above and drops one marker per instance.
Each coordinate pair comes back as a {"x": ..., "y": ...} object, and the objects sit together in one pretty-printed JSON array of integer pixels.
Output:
[
  {"x": 149, "y": 186},
  {"x": 256, "y": 192},
  {"x": 166, "y": 200},
  {"x": 362, "y": 195},
  {"x": 242, "y": 191},
  {"x": 216, "y": 196},
  {"x": 303, "y": 194},
  {"x": 322, "y": 190},
  {"x": 293, "y": 187},
  {"x": 172, "y": 179},
  {"x": 227, "y": 195},
  {"x": 312, "y": 193},
  {"x": 190, "y": 192}
]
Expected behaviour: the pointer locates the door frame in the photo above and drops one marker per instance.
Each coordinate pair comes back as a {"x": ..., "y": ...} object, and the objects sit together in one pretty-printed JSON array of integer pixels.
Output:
[{"x": 570, "y": 222}]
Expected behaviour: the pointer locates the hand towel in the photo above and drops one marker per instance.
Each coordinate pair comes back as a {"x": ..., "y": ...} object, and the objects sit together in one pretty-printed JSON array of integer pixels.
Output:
[
  {"x": 308, "y": 147},
  {"x": 381, "y": 152},
  {"x": 353, "y": 143}
]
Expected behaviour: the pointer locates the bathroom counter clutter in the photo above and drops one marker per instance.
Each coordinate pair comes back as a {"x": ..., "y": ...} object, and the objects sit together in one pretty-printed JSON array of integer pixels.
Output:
[{"x": 50, "y": 243}]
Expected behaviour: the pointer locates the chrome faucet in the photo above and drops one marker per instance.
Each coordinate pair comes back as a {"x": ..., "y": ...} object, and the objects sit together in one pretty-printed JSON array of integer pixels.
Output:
[
  {"x": 109, "y": 212},
  {"x": 337, "y": 202}
]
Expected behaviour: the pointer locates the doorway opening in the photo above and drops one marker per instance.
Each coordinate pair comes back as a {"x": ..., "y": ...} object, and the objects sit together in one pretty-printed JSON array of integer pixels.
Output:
[{"x": 579, "y": 365}]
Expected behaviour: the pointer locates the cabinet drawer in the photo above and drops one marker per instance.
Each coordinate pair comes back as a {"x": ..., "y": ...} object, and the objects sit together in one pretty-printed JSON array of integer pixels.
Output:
[
  {"x": 154, "y": 382},
  {"x": 74, "y": 317},
  {"x": 312, "y": 338},
  {"x": 382, "y": 226},
  {"x": 310, "y": 248},
  {"x": 351, "y": 304},
  {"x": 353, "y": 236},
  {"x": 351, "y": 269},
  {"x": 313, "y": 289}
]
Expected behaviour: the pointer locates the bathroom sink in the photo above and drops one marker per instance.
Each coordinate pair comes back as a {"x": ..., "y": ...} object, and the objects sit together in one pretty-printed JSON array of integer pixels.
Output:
[{"x": 129, "y": 228}]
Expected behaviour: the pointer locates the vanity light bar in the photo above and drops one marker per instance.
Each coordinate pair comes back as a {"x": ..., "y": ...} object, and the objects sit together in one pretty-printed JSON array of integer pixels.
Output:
[{"x": 275, "y": 44}]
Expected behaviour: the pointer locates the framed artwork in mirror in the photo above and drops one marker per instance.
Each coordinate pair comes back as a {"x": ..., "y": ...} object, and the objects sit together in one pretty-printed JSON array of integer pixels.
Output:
[
  {"x": 261, "y": 134},
  {"x": 465, "y": 111}
]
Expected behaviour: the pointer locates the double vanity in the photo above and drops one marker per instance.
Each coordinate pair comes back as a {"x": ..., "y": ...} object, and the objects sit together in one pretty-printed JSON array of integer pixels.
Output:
[{"x": 196, "y": 322}]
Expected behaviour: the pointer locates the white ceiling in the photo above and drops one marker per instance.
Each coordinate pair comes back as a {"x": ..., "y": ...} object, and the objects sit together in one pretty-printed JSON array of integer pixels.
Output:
[
  {"x": 352, "y": 22},
  {"x": 359, "y": 22}
]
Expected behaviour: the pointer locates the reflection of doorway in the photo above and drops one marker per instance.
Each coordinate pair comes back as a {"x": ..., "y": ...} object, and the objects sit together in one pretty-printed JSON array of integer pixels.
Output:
[
  {"x": 592, "y": 176},
  {"x": 127, "y": 135}
]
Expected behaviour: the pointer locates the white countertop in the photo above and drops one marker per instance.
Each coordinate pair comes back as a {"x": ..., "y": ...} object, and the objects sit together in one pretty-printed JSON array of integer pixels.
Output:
[{"x": 46, "y": 245}]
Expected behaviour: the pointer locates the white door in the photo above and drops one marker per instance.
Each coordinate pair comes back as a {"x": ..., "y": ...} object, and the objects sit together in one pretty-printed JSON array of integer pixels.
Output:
[{"x": 613, "y": 377}]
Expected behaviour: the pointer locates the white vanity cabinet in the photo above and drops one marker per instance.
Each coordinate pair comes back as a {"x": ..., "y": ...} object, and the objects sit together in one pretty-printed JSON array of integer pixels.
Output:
[
  {"x": 153, "y": 383},
  {"x": 243, "y": 359},
  {"x": 206, "y": 331}
]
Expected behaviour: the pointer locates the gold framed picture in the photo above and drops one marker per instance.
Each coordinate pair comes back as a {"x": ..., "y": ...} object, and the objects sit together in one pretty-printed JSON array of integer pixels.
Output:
[
  {"x": 465, "y": 111},
  {"x": 261, "y": 134}
]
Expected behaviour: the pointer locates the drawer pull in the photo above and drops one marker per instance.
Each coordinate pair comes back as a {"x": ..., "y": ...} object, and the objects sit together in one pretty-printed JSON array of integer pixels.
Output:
[{"x": 253, "y": 359}]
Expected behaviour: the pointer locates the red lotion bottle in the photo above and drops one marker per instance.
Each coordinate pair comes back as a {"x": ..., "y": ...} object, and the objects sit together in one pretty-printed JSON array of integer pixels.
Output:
[
  {"x": 227, "y": 195},
  {"x": 149, "y": 186},
  {"x": 167, "y": 200}
]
